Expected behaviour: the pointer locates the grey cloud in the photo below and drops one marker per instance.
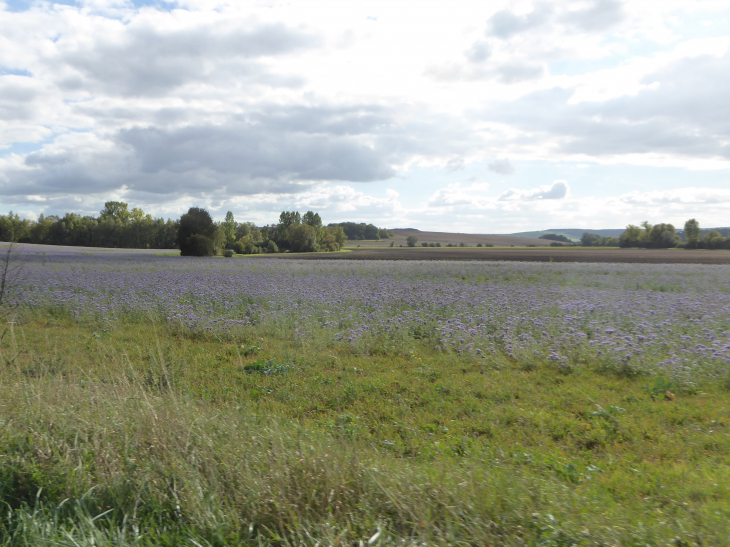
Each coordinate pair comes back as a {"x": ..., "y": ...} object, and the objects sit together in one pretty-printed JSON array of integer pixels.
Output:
[
  {"x": 478, "y": 52},
  {"x": 685, "y": 114},
  {"x": 251, "y": 151},
  {"x": 502, "y": 167},
  {"x": 602, "y": 15},
  {"x": 17, "y": 95},
  {"x": 505, "y": 24},
  {"x": 519, "y": 72},
  {"x": 275, "y": 149},
  {"x": 455, "y": 164},
  {"x": 149, "y": 62},
  {"x": 557, "y": 190}
]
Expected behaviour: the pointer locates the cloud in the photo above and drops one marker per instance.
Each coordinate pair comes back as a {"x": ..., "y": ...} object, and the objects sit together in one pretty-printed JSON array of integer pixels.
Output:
[
  {"x": 600, "y": 16},
  {"x": 478, "y": 52},
  {"x": 148, "y": 61},
  {"x": 270, "y": 149},
  {"x": 502, "y": 167},
  {"x": 682, "y": 113},
  {"x": 680, "y": 196},
  {"x": 505, "y": 24},
  {"x": 557, "y": 190}
]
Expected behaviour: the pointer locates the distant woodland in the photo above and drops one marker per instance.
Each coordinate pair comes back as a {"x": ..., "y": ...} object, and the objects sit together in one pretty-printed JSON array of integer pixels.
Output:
[{"x": 195, "y": 233}]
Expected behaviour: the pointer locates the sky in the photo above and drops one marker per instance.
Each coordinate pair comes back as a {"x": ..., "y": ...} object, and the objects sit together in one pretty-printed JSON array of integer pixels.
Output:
[{"x": 461, "y": 116}]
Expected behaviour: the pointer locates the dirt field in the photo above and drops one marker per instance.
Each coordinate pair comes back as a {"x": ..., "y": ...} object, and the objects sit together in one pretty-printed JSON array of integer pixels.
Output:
[
  {"x": 470, "y": 240},
  {"x": 645, "y": 256}
]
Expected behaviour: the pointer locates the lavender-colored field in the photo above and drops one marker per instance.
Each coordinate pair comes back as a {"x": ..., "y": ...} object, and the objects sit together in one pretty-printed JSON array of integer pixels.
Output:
[{"x": 670, "y": 318}]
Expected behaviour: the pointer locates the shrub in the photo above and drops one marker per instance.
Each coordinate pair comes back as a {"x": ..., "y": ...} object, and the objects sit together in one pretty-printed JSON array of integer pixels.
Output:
[
  {"x": 272, "y": 247},
  {"x": 197, "y": 245},
  {"x": 412, "y": 240},
  {"x": 431, "y": 244},
  {"x": 228, "y": 253},
  {"x": 424, "y": 244},
  {"x": 479, "y": 244}
]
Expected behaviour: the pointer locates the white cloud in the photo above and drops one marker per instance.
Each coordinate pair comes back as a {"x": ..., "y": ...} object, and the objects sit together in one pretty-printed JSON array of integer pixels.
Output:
[
  {"x": 557, "y": 190},
  {"x": 502, "y": 167},
  {"x": 260, "y": 105}
]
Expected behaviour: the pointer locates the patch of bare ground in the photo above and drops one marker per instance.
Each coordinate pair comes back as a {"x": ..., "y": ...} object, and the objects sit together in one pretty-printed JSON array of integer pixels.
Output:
[{"x": 548, "y": 254}]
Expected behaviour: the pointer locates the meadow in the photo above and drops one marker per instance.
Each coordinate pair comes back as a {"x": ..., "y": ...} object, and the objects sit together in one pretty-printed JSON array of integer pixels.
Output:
[{"x": 152, "y": 400}]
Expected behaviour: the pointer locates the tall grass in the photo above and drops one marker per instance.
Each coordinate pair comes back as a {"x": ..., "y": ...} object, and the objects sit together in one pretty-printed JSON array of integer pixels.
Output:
[{"x": 104, "y": 456}]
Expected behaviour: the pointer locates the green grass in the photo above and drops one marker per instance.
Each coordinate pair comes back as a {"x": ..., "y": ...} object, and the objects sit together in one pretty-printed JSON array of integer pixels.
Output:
[{"x": 137, "y": 434}]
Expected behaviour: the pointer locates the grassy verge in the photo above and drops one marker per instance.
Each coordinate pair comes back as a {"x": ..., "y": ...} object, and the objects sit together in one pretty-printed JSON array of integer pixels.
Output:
[{"x": 135, "y": 434}]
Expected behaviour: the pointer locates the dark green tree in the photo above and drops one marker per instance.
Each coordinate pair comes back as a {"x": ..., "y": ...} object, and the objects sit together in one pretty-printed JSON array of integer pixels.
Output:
[
  {"x": 692, "y": 233},
  {"x": 196, "y": 222}
]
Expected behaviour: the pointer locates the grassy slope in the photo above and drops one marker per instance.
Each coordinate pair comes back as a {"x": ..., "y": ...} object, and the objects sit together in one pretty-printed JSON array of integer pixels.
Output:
[
  {"x": 178, "y": 441},
  {"x": 470, "y": 240}
]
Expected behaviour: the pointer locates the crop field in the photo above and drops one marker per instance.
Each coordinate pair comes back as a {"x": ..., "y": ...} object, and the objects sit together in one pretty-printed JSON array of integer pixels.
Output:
[
  {"x": 158, "y": 400},
  {"x": 609, "y": 255}
]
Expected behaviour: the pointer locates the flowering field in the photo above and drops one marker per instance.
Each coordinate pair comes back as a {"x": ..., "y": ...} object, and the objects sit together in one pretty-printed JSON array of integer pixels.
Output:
[
  {"x": 673, "y": 319},
  {"x": 158, "y": 400}
]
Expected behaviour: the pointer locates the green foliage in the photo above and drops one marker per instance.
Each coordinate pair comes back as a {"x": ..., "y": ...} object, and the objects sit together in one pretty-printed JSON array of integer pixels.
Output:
[
  {"x": 556, "y": 237},
  {"x": 289, "y": 218},
  {"x": 412, "y": 240},
  {"x": 659, "y": 387},
  {"x": 360, "y": 231},
  {"x": 197, "y": 245},
  {"x": 692, "y": 233},
  {"x": 267, "y": 368},
  {"x": 196, "y": 233},
  {"x": 303, "y": 238}
]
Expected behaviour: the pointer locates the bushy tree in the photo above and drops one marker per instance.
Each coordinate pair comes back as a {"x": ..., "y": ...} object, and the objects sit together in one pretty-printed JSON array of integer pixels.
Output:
[
  {"x": 198, "y": 245},
  {"x": 663, "y": 236},
  {"x": 692, "y": 233},
  {"x": 412, "y": 240},
  {"x": 196, "y": 222},
  {"x": 303, "y": 238},
  {"x": 590, "y": 240},
  {"x": 631, "y": 237}
]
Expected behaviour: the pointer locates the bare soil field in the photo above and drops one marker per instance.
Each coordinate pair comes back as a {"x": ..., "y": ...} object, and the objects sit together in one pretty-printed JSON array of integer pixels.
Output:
[
  {"x": 549, "y": 254},
  {"x": 470, "y": 240}
]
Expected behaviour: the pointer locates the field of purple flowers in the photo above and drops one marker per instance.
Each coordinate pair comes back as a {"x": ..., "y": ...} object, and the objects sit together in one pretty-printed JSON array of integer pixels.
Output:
[{"x": 672, "y": 320}]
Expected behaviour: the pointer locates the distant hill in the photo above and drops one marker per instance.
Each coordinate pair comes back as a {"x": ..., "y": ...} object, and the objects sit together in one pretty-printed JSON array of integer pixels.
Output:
[
  {"x": 470, "y": 240},
  {"x": 574, "y": 234}
]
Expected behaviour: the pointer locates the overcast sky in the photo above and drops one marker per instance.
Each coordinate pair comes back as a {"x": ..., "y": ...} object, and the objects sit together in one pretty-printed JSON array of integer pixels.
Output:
[{"x": 467, "y": 116}]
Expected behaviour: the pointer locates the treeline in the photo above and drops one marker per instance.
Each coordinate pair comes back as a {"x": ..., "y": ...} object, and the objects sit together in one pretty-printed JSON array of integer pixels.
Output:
[
  {"x": 294, "y": 232},
  {"x": 360, "y": 231},
  {"x": 195, "y": 233},
  {"x": 116, "y": 226},
  {"x": 665, "y": 236}
]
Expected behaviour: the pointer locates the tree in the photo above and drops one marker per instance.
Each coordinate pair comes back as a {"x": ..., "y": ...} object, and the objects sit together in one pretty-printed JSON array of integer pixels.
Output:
[
  {"x": 412, "y": 240},
  {"x": 590, "y": 240},
  {"x": 663, "y": 236},
  {"x": 631, "y": 237},
  {"x": 303, "y": 238},
  {"x": 196, "y": 222},
  {"x": 289, "y": 218},
  {"x": 692, "y": 233},
  {"x": 229, "y": 225},
  {"x": 312, "y": 219},
  {"x": 118, "y": 210}
]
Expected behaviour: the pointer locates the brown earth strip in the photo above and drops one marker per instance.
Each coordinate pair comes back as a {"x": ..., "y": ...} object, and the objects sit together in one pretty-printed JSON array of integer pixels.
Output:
[{"x": 551, "y": 254}]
